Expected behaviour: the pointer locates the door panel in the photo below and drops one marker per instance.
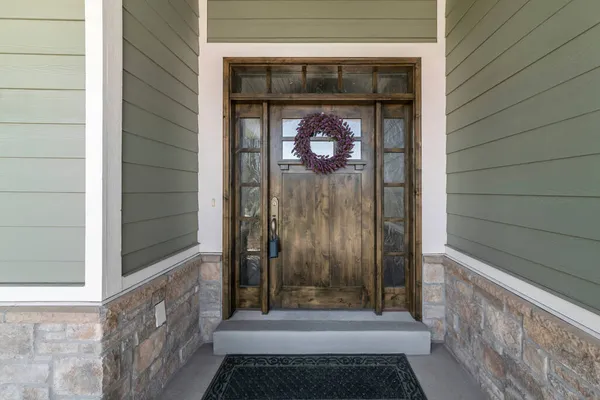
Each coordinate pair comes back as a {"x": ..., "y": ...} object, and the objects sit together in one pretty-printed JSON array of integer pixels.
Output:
[{"x": 326, "y": 222}]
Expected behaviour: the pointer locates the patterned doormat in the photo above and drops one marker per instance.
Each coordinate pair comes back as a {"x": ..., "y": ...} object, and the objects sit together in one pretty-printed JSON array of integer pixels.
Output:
[{"x": 315, "y": 377}]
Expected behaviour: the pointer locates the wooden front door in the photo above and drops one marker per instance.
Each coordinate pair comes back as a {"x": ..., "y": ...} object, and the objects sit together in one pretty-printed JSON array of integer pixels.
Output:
[{"x": 326, "y": 223}]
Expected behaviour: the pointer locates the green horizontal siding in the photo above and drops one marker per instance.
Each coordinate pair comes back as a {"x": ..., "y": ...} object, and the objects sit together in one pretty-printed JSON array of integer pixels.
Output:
[
  {"x": 160, "y": 130},
  {"x": 322, "y": 21},
  {"x": 523, "y": 113},
  {"x": 42, "y": 142}
]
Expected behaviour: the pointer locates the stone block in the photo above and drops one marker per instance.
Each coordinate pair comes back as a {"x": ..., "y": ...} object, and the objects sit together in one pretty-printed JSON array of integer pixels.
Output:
[
  {"x": 433, "y": 294},
  {"x": 503, "y": 329},
  {"x": 10, "y": 392},
  {"x": 207, "y": 327},
  {"x": 490, "y": 387},
  {"x": 35, "y": 393},
  {"x": 210, "y": 271},
  {"x": 25, "y": 373},
  {"x": 434, "y": 311},
  {"x": 53, "y": 315},
  {"x": 211, "y": 258},
  {"x": 433, "y": 273},
  {"x": 150, "y": 349},
  {"x": 50, "y": 332},
  {"x": 566, "y": 344},
  {"x": 121, "y": 391},
  {"x": 437, "y": 328},
  {"x": 520, "y": 377},
  {"x": 91, "y": 348},
  {"x": 111, "y": 368},
  {"x": 574, "y": 381},
  {"x": 492, "y": 361},
  {"x": 84, "y": 331},
  {"x": 210, "y": 296},
  {"x": 189, "y": 348},
  {"x": 175, "y": 314},
  {"x": 77, "y": 376},
  {"x": 16, "y": 341},
  {"x": 182, "y": 280},
  {"x": 535, "y": 359},
  {"x": 557, "y": 389},
  {"x": 57, "y": 348}
]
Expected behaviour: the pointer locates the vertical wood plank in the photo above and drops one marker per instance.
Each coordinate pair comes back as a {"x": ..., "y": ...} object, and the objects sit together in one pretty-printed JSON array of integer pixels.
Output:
[
  {"x": 417, "y": 221},
  {"x": 321, "y": 270},
  {"x": 264, "y": 199},
  {"x": 346, "y": 229},
  {"x": 227, "y": 211},
  {"x": 379, "y": 204}
]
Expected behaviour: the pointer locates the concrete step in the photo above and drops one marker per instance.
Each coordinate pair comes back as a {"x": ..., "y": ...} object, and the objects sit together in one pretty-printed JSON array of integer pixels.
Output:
[{"x": 327, "y": 333}]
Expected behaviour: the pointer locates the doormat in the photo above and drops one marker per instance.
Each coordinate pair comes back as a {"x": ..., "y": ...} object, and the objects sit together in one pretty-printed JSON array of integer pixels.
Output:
[{"x": 315, "y": 377}]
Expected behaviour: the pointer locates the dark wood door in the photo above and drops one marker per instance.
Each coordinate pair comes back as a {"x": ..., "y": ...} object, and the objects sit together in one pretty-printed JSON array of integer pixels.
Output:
[{"x": 326, "y": 222}]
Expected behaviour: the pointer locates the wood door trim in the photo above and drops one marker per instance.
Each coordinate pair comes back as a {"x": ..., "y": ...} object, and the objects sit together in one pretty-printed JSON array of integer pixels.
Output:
[{"x": 228, "y": 305}]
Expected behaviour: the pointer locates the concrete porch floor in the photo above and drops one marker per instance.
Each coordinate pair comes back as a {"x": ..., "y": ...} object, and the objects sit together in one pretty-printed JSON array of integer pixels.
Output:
[{"x": 441, "y": 377}]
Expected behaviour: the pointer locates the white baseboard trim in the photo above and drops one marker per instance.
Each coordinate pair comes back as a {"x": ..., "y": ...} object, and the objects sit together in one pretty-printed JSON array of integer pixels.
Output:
[{"x": 561, "y": 308}]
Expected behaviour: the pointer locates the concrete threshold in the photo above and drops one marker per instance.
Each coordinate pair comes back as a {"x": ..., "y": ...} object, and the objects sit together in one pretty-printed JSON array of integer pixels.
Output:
[{"x": 321, "y": 332}]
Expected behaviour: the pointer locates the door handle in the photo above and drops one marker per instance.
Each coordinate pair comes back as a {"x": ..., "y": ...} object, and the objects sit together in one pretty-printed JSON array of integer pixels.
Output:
[{"x": 274, "y": 239}]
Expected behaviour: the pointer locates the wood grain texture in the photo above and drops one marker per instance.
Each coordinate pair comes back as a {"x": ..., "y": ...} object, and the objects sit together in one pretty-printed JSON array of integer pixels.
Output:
[{"x": 322, "y": 298}]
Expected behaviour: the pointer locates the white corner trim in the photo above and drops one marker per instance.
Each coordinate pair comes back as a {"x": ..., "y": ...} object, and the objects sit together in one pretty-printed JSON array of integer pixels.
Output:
[
  {"x": 563, "y": 309},
  {"x": 145, "y": 275}
]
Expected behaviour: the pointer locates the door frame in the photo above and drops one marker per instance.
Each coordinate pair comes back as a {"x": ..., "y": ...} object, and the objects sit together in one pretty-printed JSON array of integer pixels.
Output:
[{"x": 414, "y": 279}]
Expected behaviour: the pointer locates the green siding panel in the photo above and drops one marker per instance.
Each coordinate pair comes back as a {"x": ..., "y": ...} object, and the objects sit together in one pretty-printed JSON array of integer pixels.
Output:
[
  {"x": 457, "y": 13},
  {"x": 155, "y": 23},
  {"x": 571, "y": 216},
  {"x": 144, "y": 96},
  {"x": 534, "y": 13},
  {"x": 43, "y": 9},
  {"x": 160, "y": 131},
  {"x": 143, "y": 68},
  {"x": 563, "y": 177},
  {"x": 144, "y": 41},
  {"x": 577, "y": 97},
  {"x": 42, "y": 141},
  {"x": 545, "y": 58},
  {"x": 567, "y": 286},
  {"x": 321, "y": 21},
  {"x": 25, "y": 71},
  {"x": 137, "y": 260},
  {"x": 42, "y": 209},
  {"x": 145, "y": 206},
  {"x": 50, "y": 244},
  {"x": 523, "y": 145},
  {"x": 138, "y": 150},
  {"x": 42, "y": 175},
  {"x": 472, "y": 17},
  {"x": 42, "y": 106},
  {"x": 189, "y": 11},
  {"x": 144, "y": 179},
  {"x": 42, "y": 37},
  {"x": 144, "y": 124},
  {"x": 488, "y": 25},
  {"x": 58, "y": 273},
  {"x": 141, "y": 235}
]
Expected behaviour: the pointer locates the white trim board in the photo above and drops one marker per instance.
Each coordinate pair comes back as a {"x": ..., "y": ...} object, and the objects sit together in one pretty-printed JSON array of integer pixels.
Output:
[{"x": 561, "y": 308}]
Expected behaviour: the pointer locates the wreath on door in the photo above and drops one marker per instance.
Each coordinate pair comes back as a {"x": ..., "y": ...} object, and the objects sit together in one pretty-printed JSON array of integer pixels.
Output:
[{"x": 331, "y": 126}]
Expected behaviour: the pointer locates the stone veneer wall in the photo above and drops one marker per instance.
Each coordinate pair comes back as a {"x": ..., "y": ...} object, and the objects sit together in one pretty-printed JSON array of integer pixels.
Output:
[
  {"x": 515, "y": 349},
  {"x": 434, "y": 296},
  {"x": 110, "y": 352}
]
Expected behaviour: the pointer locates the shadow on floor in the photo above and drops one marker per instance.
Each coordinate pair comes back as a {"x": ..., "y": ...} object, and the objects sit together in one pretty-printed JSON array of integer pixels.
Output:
[{"x": 441, "y": 377}]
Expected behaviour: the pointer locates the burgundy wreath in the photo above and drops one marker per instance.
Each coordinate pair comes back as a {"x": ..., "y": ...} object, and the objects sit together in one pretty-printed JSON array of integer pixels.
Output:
[{"x": 332, "y": 126}]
